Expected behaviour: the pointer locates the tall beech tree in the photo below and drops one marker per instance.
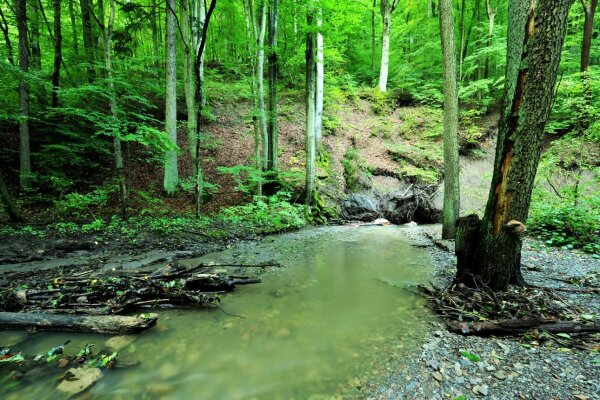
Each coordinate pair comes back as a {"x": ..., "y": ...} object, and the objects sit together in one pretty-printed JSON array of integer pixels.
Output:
[
  {"x": 387, "y": 8},
  {"x": 451, "y": 162},
  {"x": 171, "y": 178},
  {"x": 116, "y": 131},
  {"x": 319, "y": 82},
  {"x": 199, "y": 93},
  {"x": 489, "y": 250},
  {"x": 311, "y": 75}
]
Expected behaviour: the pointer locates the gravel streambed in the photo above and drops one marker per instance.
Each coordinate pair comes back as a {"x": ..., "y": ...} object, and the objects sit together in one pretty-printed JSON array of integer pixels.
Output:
[{"x": 456, "y": 367}]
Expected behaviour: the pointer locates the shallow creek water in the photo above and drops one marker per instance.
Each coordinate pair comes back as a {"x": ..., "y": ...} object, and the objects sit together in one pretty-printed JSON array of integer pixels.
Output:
[{"x": 342, "y": 306}]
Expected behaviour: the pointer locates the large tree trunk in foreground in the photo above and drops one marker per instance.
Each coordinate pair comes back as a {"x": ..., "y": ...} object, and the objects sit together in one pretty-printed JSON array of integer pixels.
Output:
[
  {"x": 451, "y": 161},
  {"x": 170, "y": 174},
  {"x": 517, "y": 326},
  {"x": 25, "y": 154},
  {"x": 77, "y": 323},
  {"x": 57, "y": 53},
  {"x": 489, "y": 251}
]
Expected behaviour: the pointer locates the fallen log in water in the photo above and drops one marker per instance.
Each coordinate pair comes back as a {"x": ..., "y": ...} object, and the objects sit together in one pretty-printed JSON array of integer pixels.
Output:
[
  {"x": 516, "y": 326},
  {"x": 77, "y": 323},
  {"x": 118, "y": 291}
]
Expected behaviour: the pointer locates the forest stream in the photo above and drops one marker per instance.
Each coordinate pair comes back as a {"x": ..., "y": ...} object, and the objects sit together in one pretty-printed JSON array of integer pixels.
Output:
[{"x": 343, "y": 303}]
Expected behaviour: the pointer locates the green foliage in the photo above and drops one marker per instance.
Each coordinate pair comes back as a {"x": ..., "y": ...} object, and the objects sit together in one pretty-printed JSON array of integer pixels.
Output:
[
  {"x": 267, "y": 214},
  {"x": 78, "y": 204},
  {"x": 565, "y": 207},
  {"x": 354, "y": 166}
]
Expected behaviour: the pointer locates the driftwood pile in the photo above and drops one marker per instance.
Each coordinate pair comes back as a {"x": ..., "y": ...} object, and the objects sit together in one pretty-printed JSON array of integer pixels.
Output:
[
  {"x": 514, "y": 312},
  {"x": 36, "y": 299}
]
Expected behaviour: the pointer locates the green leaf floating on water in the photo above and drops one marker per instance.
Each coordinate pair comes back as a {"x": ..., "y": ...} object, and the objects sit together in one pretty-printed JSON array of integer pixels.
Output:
[{"x": 470, "y": 356}]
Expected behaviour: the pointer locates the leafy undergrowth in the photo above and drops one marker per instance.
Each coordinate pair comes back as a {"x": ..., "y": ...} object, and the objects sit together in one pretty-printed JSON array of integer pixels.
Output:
[{"x": 263, "y": 215}]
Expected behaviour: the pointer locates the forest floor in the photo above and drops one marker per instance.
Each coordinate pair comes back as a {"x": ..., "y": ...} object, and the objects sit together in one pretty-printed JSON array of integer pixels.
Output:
[{"x": 509, "y": 368}]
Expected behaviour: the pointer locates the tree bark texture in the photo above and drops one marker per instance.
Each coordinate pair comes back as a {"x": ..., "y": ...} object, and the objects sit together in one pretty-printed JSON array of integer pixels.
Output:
[
  {"x": 311, "y": 71},
  {"x": 260, "y": 72},
  {"x": 34, "y": 34},
  {"x": 320, "y": 81},
  {"x": 112, "y": 324},
  {"x": 451, "y": 162},
  {"x": 171, "y": 173},
  {"x": 489, "y": 251}
]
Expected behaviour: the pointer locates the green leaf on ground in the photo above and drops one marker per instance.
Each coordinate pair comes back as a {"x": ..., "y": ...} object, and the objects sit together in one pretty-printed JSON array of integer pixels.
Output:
[{"x": 470, "y": 356}]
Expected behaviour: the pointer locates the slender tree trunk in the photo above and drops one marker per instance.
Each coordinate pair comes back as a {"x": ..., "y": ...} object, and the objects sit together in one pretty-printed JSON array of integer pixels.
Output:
[
  {"x": 260, "y": 65},
  {"x": 491, "y": 13},
  {"x": 429, "y": 8},
  {"x": 188, "y": 79},
  {"x": 462, "y": 38},
  {"x": 465, "y": 50},
  {"x": 171, "y": 175},
  {"x": 451, "y": 162},
  {"x": 101, "y": 37},
  {"x": 74, "y": 28},
  {"x": 311, "y": 72},
  {"x": 589, "y": 10},
  {"x": 199, "y": 81},
  {"x": 155, "y": 46},
  {"x": 489, "y": 251},
  {"x": 88, "y": 41},
  {"x": 5, "y": 32},
  {"x": 385, "y": 47},
  {"x": 273, "y": 126},
  {"x": 118, "y": 152},
  {"x": 250, "y": 48},
  {"x": 373, "y": 40},
  {"x": 8, "y": 203},
  {"x": 588, "y": 30},
  {"x": 319, "y": 84},
  {"x": 57, "y": 53},
  {"x": 34, "y": 31},
  {"x": 25, "y": 155}
]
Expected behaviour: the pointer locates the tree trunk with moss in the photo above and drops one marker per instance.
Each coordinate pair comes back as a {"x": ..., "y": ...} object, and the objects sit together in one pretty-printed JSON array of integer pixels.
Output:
[
  {"x": 451, "y": 161},
  {"x": 489, "y": 250}
]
